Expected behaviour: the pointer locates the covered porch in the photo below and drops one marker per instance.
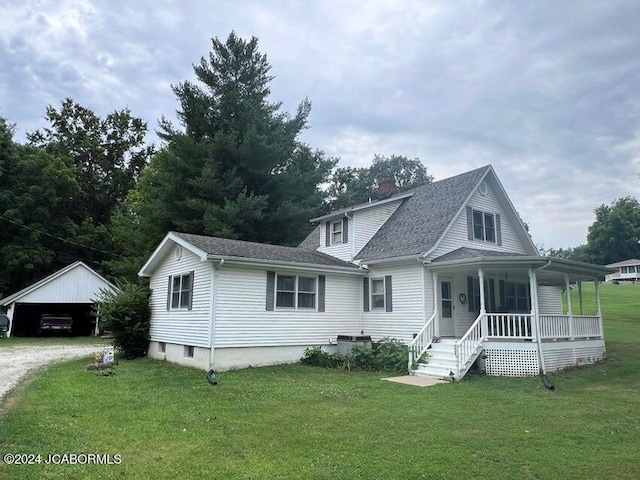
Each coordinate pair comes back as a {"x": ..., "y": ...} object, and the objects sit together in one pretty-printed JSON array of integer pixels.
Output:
[{"x": 511, "y": 308}]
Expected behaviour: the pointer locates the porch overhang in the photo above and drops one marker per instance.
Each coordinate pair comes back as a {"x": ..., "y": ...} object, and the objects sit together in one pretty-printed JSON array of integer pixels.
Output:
[{"x": 550, "y": 270}]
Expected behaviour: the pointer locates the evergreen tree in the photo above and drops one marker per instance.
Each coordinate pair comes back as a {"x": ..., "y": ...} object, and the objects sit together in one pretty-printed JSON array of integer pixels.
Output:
[{"x": 236, "y": 169}]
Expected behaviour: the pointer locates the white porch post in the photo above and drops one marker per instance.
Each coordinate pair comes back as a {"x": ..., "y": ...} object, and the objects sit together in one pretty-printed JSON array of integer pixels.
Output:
[
  {"x": 596, "y": 282},
  {"x": 435, "y": 304},
  {"x": 533, "y": 291},
  {"x": 569, "y": 309},
  {"x": 580, "y": 297},
  {"x": 484, "y": 324}
]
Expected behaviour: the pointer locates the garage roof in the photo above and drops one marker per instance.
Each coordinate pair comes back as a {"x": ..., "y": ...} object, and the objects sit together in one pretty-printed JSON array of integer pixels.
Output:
[{"x": 75, "y": 283}]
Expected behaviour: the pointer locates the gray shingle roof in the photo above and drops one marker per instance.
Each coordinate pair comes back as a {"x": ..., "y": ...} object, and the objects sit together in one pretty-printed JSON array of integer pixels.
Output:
[
  {"x": 625, "y": 263},
  {"x": 261, "y": 251},
  {"x": 465, "y": 252},
  {"x": 312, "y": 241},
  {"x": 421, "y": 219}
]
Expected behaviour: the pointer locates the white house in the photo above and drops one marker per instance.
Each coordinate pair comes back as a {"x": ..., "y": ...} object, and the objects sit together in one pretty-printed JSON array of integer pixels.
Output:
[
  {"x": 627, "y": 270},
  {"x": 447, "y": 268}
]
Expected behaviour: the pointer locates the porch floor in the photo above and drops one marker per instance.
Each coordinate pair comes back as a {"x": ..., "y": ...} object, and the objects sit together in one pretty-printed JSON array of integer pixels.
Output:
[{"x": 416, "y": 381}]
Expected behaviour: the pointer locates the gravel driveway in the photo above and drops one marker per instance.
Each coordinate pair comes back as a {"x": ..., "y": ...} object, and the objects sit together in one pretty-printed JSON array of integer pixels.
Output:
[{"x": 16, "y": 362}]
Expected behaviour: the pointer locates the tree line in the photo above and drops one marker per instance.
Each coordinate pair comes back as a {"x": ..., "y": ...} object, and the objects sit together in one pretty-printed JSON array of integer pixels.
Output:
[{"x": 91, "y": 188}]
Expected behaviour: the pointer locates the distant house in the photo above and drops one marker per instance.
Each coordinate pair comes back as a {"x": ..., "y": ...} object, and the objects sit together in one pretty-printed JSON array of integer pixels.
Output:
[
  {"x": 448, "y": 268},
  {"x": 627, "y": 270}
]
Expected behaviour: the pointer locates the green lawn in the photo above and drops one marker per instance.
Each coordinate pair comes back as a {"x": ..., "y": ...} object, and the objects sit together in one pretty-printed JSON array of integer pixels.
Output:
[
  {"x": 52, "y": 340},
  {"x": 303, "y": 422}
]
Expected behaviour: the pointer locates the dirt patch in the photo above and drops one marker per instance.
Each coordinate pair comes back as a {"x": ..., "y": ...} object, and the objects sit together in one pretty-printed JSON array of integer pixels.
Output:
[{"x": 16, "y": 362}]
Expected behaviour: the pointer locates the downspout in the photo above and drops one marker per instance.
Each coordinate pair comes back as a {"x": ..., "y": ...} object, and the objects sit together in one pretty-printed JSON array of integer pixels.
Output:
[
  {"x": 212, "y": 326},
  {"x": 545, "y": 380},
  {"x": 352, "y": 237}
]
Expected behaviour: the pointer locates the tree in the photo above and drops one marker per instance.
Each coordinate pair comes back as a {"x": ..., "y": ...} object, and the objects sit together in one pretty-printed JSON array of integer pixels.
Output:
[
  {"x": 615, "y": 234},
  {"x": 236, "y": 169},
  {"x": 107, "y": 155},
  {"x": 37, "y": 195},
  {"x": 350, "y": 186}
]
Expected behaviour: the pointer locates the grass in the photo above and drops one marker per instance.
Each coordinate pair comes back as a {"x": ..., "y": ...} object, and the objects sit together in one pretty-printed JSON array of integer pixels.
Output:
[
  {"x": 304, "y": 422},
  {"x": 52, "y": 340}
]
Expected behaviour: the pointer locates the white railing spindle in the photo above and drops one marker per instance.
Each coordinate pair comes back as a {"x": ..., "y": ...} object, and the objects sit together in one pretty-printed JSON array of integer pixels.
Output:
[{"x": 422, "y": 341}]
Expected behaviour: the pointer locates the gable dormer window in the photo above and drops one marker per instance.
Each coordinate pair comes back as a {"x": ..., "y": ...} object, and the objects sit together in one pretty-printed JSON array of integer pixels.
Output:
[{"x": 336, "y": 232}]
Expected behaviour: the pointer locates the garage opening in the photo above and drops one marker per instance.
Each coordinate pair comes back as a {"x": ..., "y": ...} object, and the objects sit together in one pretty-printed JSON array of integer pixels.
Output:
[{"x": 26, "y": 319}]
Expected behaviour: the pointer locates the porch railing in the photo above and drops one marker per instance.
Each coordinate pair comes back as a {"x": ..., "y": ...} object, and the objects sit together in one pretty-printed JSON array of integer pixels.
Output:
[
  {"x": 422, "y": 341},
  {"x": 569, "y": 326},
  {"x": 509, "y": 326},
  {"x": 467, "y": 346}
]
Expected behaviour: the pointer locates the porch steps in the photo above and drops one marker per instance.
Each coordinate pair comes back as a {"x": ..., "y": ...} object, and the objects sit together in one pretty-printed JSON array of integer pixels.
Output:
[{"x": 441, "y": 362}]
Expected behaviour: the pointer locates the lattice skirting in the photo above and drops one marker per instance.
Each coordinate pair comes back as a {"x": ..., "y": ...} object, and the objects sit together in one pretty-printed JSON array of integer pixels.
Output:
[
  {"x": 511, "y": 362},
  {"x": 523, "y": 362},
  {"x": 560, "y": 358}
]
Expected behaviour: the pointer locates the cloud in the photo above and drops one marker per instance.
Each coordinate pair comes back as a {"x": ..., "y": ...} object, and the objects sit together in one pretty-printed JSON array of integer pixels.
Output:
[{"x": 544, "y": 91}]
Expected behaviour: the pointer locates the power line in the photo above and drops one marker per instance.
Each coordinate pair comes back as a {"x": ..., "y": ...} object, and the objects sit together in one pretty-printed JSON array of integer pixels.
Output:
[{"x": 65, "y": 240}]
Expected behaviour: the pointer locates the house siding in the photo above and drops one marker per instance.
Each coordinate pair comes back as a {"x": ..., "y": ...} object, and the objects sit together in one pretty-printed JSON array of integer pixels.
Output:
[
  {"x": 549, "y": 300},
  {"x": 457, "y": 235},
  {"x": 242, "y": 320},
  {"x": 183, "y": 327},
  {"x": 408, "y": 312},
  {"x": 368, "y": 222}
]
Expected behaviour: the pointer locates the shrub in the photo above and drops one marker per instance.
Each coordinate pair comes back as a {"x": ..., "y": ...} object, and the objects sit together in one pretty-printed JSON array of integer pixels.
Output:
[
  {"x": 128, "y": 315},
  {"x": 389, "y": 354}
]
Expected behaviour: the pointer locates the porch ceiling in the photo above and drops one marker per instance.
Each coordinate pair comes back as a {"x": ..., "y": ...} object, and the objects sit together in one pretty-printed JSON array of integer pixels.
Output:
[{"x": 549, "y": 270}]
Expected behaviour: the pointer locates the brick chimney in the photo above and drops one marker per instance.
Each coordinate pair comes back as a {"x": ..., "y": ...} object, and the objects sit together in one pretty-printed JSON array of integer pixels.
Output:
[{"x": 386, "y": 187}]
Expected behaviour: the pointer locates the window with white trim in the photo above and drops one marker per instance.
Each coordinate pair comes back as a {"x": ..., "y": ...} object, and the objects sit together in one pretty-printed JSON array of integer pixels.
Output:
[
  {"x": 180, "y": 291},
  {"x": 377, "y": 293},
  {"x": 484, "y": 226},
  {"x": 296, "y": 291},
  {"x": 336, "y": 232}
]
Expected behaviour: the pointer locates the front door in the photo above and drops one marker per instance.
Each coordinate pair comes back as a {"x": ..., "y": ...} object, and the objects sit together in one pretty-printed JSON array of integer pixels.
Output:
[{"x": 447, "y": 309}]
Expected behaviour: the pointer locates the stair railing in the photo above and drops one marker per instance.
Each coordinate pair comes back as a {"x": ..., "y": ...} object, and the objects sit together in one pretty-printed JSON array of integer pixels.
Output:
[{"x": 422, "y": 341}]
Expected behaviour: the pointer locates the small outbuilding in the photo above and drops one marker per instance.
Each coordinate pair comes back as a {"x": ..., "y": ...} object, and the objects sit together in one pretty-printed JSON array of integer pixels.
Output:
[{"x": 73, "y": 290}]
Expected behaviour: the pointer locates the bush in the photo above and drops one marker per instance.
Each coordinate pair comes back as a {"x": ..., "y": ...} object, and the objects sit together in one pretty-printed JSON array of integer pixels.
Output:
[
  {"x": 128, "y": 315},
  {"x": 389, "y": 354}
]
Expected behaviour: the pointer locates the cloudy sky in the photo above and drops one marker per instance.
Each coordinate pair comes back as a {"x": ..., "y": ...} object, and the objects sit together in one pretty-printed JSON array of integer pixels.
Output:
[{"x": 547, "y": 92}]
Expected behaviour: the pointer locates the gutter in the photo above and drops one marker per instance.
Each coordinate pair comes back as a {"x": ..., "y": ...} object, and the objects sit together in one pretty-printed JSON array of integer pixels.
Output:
[
  {"x": 355, "y": 270},
  {"x": 362, "y": 206}
]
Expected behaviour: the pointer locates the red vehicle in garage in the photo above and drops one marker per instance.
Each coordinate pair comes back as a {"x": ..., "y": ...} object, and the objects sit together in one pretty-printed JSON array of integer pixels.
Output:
[{"x": 56, "y": 323}]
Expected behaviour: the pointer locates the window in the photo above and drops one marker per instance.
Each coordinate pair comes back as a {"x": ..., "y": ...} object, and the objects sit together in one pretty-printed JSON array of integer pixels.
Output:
[
  {"x": 377, "y": 293},
  {"x": 484, "y": 226},
  {"x": 294, "y": 291},
  {"x": 188, "y": 351},
  {"x": 162, "y": 347},
  {"x": 516, "y": 297},
  {"x": 445, "y": 295},
  {"x": 336, "y": 232},
  {"x": 474, "y": 300},
  {"x": 180, "y": 290}
]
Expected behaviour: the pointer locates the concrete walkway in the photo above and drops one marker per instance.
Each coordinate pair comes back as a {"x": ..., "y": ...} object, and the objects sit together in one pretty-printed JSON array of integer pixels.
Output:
[{"x": 415, "y": 380}]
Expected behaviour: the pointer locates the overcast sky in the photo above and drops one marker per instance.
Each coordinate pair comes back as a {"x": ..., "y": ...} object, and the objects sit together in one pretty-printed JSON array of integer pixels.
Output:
[{"x": 546, "y": 92}]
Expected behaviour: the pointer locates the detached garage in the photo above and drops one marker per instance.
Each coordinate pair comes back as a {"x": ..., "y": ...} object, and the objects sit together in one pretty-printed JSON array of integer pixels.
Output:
[{"x": 72, "y": 291}]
